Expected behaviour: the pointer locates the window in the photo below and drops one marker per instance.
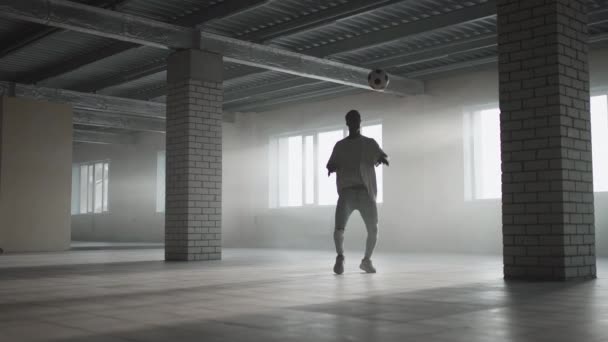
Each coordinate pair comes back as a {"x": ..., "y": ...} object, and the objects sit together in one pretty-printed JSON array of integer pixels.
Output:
[
  {"x": 482, "y": 150},
  {"x": 160, "y": 181},
  {"x": 327, "y": 185},
  {"x": 599, "y": 142},
  {"x": 298, "y": 175},
  {"x": 90, "y": 188},
  {"x": 482, "y": 154}
]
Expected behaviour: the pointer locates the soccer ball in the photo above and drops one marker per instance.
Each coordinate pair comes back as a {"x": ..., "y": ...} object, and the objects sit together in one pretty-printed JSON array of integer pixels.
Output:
[{"x": 377, "y": 79}]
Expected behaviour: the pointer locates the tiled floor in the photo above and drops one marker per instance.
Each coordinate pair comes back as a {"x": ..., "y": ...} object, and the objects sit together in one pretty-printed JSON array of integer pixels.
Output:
[
  {"x": 94, "y": 245},
  {"x": 265, "y": 295}
]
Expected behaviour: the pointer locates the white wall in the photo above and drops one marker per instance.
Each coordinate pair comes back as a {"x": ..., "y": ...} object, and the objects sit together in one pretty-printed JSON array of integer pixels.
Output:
[
  {"x": 36, "y": 154},
  {"x": 131, "y": 212},
  {"x": 424, "y": 207}
]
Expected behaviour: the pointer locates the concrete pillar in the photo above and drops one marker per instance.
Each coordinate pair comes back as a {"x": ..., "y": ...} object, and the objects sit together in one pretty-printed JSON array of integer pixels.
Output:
[
  {"x": 548, "y": 214},
  {"x": 194, "y": 156}
]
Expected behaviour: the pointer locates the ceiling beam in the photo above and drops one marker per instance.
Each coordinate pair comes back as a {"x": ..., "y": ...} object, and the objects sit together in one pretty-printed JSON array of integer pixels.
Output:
[
  {"x": 100, "y": 22},
  {"x": 330, "y": 92},
  {"x": 234, "y": 99},
  {"x": 400, "y": 60},
  {"x": 598, "y": 17},
  {"x": 438, "y": 52},
  {"x": 403, "y": 59},
  {"x": 130, "y": 28},
  {"x": 297, "y": 64},
  {"x": 229, "y": 7},
  {"x": 40, "y": 32},
  {"x": 19, "y": 42},
  {"x": 87, "y": 117},
  {"x": 97, "y": 137},
  {"x": 100, "y": 110},
  {"x": 38, "y": 76},
  {"x": 218, "y": 11},
  {"x": 87, "y": 101},
  {"x": 417, "y": 56},
  {"x": 317, "y": 19},
  {"x": 148, "y": 93},
  {"x": 400, "y": 32},
  {"x": 246, "y": 93},
  {"x": 394, "y": 33},
  {"x": 221, "y": 10},
  {"x": 125, "y": 77},
  {"x": 455, "y": 66}
]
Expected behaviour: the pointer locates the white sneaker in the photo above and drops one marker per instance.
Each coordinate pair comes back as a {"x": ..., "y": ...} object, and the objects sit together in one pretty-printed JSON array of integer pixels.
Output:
[{"x": 366, "y": 265}]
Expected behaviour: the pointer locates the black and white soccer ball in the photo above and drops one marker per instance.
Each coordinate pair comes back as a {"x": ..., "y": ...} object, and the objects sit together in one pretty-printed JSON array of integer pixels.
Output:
[{"x": 377, "y": 79}]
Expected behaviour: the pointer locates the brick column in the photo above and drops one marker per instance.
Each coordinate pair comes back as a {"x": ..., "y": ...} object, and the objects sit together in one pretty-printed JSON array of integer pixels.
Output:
[
  {"x": 548, "y": 218},
  {"x": 194, "y": 156}
]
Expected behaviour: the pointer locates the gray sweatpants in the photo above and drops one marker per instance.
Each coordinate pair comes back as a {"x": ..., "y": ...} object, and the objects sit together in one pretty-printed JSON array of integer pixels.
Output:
[{"x": 352, "y": 199}]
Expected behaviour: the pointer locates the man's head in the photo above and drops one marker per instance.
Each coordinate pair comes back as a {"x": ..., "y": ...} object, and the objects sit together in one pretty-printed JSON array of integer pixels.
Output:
[{"x": 353, "y": 119}]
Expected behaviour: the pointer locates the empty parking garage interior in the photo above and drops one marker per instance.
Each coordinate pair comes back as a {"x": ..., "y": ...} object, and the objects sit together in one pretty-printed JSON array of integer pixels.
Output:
[{"x": 164, "y": 170}]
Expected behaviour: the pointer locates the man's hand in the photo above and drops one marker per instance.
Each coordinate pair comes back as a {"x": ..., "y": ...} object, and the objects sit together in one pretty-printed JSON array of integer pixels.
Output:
[
  {"x": 383, "y": 160},
  {"x": 331, "y": 169}
]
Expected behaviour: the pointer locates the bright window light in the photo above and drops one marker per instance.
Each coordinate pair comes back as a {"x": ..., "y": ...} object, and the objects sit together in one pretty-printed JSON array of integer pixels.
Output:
[
  {"x": 327, "y": 185},
  {"x": 486, "y": 154},
  {"x": 309, "y": 169},
  {"x": 375, "y": 132},
  {"x": 160, "y": 181},
  {"x": 90, "y": 188},
  {"x": 98, "y": 202},
  {"x": 599, "y": 141},
  {"x": 297, "y": 168},
  {"x": 294, "y": 171},
  {"x": 485, "y": 147}
]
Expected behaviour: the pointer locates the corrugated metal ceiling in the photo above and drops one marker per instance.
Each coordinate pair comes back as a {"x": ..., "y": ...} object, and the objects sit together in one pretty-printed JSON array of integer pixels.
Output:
[{"x": 67, "y": 47}]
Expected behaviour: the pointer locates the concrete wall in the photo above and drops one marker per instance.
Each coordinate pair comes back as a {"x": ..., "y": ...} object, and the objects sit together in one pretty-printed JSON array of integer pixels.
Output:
[
  {"x": 424, "y": 205},
  {"x": 132, "y": 215},
  {"x": 131, "y": 212},
  {"x": 35, "y": 168}
]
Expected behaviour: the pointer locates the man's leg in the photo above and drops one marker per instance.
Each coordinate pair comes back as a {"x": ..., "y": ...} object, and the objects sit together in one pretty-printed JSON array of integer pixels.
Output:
[
  {"x": 343, "y": 211},
  {"x": 369, "y": 213}
]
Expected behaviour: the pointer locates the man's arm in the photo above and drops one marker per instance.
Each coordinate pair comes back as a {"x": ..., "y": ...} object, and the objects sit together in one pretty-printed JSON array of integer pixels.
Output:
[
  {"x": 332, "y": 165},
  {"x": 382, "y": 158}
]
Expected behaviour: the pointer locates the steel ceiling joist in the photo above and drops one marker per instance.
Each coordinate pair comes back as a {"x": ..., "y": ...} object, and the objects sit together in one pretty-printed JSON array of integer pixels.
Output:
[
  {"x": 93, "y": 137},
  {"x": 297, "y": 64},
  {"x": 316, "y": 95},
  {"x": 131, "y": 75},
  {"x": 316, "y": 20},
  {"x": 93, "y": 102},
  {"x": 87, "y": 117},
  {"x": 222, "y": 10},
  {"x": 300, "y": 24},
  {"x": 39, "y": 76},
  {"x": 455, "y": 66},
  {"x": 92, "y": 20},
  {"x": 101, "y": 22},
  {"x": 433, "y": 23},
  {"x": 31, "y": 37},
  {"x": 26, "y": 39},
  {"x": 243, "y": 94}
]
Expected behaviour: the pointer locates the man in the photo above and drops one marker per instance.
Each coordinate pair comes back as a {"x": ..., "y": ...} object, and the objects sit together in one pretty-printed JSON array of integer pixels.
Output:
[{"x": 354, "y": 159}]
